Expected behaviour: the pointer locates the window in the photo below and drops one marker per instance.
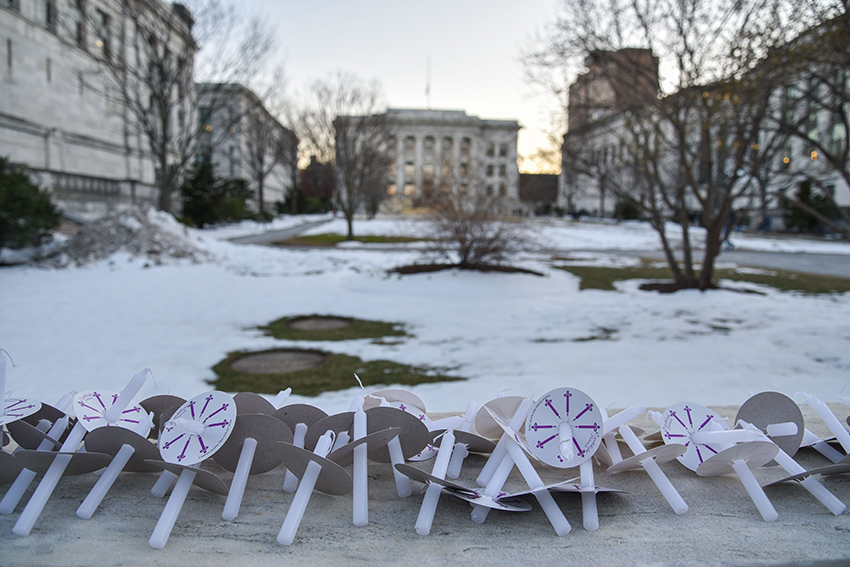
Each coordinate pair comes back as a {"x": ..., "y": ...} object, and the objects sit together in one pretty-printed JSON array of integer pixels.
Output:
[
  {"x": 490, "y": 170},
  {"x": 464, "y": 169},
  {"x": 502, "y": 190},
  {"x": 78, "y": 21},
  {"x": 103, "y": 40},
  {"x": 465, "y": 147},
  {"x": 409, "y": 145},
  {"x": 448, "y": 145},
  {"x": 392, "y": 189},
  {"x": 50, "y": 15},
  {"x": 503, "y": 150},
  {"x": 409, "y": 169},
  {"x": 11, "y": 4},
  {"x": 429, "y": 143},
  {"x": 502, "y": 170},
  {"x": 428, "y": 170},
  {"x": 489, "y": 190},
  {"x": 491, "y": 150},
  {"x": 409, "y": 189}
]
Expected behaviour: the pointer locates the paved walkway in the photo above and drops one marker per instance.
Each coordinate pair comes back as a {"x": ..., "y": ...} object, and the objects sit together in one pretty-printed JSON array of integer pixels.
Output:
[{"x": 271, "y": 237}]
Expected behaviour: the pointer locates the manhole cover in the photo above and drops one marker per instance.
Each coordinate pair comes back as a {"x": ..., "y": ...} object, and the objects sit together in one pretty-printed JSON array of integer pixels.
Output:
[
  {"x": 318, "y": 323},
  {"x": 278, "y": 361}
]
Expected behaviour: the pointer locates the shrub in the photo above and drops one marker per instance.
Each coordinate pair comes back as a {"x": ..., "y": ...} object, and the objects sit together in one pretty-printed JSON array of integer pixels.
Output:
[
  {"x": 27, "y": 217},
  {"x": 209, "y": 200}
]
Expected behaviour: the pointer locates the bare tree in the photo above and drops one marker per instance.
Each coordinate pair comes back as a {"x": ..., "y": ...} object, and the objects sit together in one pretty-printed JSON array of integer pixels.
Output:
[
  {"x": 343, "y": 121},
  {"x": 152, "y": 75},
  {"x": 684, "y": 154},
  {"x": 814, "y": 116}
]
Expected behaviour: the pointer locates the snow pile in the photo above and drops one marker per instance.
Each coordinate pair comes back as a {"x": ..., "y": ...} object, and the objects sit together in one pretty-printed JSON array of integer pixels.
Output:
[{"x": 140, "y": 232}]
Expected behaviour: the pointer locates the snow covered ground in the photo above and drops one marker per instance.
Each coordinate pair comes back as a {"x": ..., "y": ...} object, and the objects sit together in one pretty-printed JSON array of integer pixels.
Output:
[{"x": 97, "y": 325}]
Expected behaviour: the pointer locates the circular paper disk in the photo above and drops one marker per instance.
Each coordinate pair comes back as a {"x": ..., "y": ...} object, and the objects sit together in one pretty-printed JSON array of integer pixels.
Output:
[
  {"x": 18, "y": 408},
  {"x": 203, "y": 478},
  {"x": 337, "y": 423},
  {"x": 47, "y": 412},
  {"x": 419, "y": 475},
  {"x": 393, "y": 396},
  {"x": 266, "y": 430},
  {"x": 754, "y": 453},
  {"x": 505, "y": 503},
  {"x": 10, "y": 468},
  {"x": 564, "y": 406},
  {"x": 504, "y": 407},
  {"x": 27, "y": 436},
  {"x": 344, "y": 456},
  {"x": 841, "y": 467},
  {"x": 333, "y": 479},
  {"x": 216, "y": 411},
  {"x": 249, "y": 402},
  {"x": 768, "y": 408},
  {"x": 293, "y": 414},
  {"x": 472, "y": 495},
  {"x": 90, "y": 407},
  {"x": 109, "y": 440},
  {"x": 474, "y": 443},
  {"x": 680, "y": 421},
  {"x": 661, "y": 454},
  {"x": 414, "y": 435},
  {"x": 162, "y": 407},
  {"x": 81, "y": 463}
]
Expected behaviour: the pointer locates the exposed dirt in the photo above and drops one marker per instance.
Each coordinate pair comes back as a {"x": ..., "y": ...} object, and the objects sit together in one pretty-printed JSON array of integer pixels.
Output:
[
  {"x": 426, "y": 268},
  {"x": 278, "y": 361},
  {"x": 316, "y": 323}
]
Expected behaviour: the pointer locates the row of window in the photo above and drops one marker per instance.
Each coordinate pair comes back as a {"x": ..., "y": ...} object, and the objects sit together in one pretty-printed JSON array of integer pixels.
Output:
[
  {"x": 409, "y": 189},
  {"x": 74, "y": 22}
]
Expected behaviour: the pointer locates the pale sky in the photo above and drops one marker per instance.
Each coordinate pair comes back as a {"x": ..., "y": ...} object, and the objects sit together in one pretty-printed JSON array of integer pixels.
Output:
[{"x": 473, "y": 45}]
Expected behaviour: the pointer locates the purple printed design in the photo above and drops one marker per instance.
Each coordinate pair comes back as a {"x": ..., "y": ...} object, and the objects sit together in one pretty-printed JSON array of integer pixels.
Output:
[
  {"x": 548, "y": 402},
  {"x": 587, "y": 408},
  {"x": 548, "y": 420},
  {"x": 690, "y": 421},
  {"x": 198, "y": 429},
  {"x": 676, "y": 430}
]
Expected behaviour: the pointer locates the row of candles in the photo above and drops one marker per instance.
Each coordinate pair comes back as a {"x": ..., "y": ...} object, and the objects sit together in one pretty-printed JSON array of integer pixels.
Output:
[{"x": 563, "y": 429}]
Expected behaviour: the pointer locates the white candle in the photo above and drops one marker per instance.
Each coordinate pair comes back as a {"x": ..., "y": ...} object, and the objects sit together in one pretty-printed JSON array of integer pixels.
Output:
[
  {"x": 625, "y": 416},
  {"x": 105, "y": 482},
  {"x": 45, "y": 488},
  {"x": 240, "y": 479},
  {"x": 360, "y": 479},
  {"x": 163, "y": 483},
  {"x": 497, "y": 481},
  {"x": 822, "y": 446},
  {"x": 725, "y": 436},
  {"x": 544, "y": 497},
  {"x": 290, "y": 481},
  {"x": 759, "y": 498},
  {"x": 460, "y": 451},
  {"x": 113, "y": 413},
  {"x": 402, "y": 483},
  {"x": 589, "y": 512},
  {"x": 432, "y": 493},
  {"x": 831, "y": 421},
  {"x": 26, "y": 476},
  {"x": 281, "y": 398},
  {"x": 302, "y": 496},
  {"x": 501, "y": 447},
  {"x": 163, "y": 528},
  {"x": 655, "y": 473}
]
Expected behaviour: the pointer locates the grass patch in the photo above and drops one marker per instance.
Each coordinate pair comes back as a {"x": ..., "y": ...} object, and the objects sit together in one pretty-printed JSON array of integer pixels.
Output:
[
  {"x": 356, "y": 329},
  {"x": 603, "y": 278},
  {"x": 329, "y": 239},
  {"x": 335, "y": 373}
]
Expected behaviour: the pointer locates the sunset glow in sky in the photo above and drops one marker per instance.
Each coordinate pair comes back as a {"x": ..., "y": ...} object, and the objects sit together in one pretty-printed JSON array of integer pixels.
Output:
[{"x": 473, "y": 47}]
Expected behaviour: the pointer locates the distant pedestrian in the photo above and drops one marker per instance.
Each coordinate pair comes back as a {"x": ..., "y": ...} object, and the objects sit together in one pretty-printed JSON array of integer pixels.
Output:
[{"x": 730, "y": 225}]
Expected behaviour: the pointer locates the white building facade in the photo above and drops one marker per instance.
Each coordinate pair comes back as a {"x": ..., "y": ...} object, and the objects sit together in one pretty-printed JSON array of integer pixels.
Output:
[
  {"x": 62, "y": 119},
  {"x": 244, "y": 141},
  {"x": 450, "y": 151}
]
